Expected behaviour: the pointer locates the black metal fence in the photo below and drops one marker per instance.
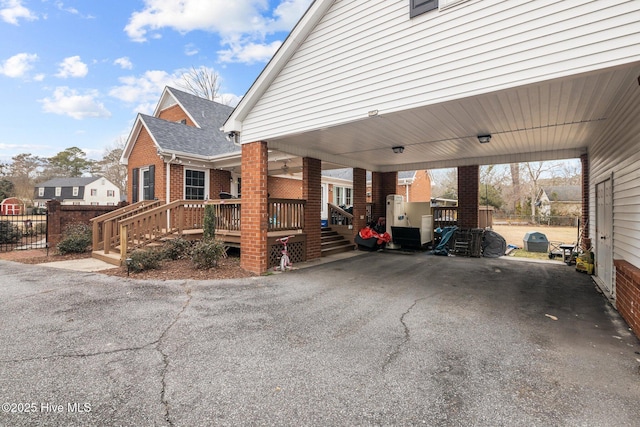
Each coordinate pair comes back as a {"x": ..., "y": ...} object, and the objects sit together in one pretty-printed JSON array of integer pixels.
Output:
[{"x": 21, "y": 232}]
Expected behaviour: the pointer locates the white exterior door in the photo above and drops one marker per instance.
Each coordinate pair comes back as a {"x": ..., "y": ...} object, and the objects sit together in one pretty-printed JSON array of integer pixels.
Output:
[
  {"x": 325, "y": 200},
  {"x": 604, "y": 249}
]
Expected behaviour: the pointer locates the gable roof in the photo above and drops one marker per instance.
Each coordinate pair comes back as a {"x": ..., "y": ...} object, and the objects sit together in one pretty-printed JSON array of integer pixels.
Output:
[
  {"x": 69, "y": 182},
  {"x": 205, "y": 140},
  {"x": 564, "y": 193}
]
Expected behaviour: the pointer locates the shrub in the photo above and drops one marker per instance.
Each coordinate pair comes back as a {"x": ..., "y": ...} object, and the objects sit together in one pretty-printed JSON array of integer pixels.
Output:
[
  {"x": 206, "y": 253},
  {"x": 209, "y": 226},
  {"x": 176, "y": 249},
  {"x": 142, "y": 260},
  {"x": 76, "y": 238},
  {"x": 9, "y": 232}
]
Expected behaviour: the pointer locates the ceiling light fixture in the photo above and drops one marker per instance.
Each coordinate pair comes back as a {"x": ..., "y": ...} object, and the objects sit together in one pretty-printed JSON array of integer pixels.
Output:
[
  {"x": 484, "y": 139},
  {"x": 398, "y": 149}
]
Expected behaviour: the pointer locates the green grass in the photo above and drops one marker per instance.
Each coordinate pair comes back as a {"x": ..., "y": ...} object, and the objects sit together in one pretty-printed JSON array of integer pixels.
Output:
[{"x": 521, "y": 253}]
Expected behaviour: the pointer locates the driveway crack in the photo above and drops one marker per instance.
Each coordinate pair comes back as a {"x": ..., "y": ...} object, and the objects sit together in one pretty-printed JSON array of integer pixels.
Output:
[
  {"x": 165, "y": 356},
  {"x": 393, "y": 355}
]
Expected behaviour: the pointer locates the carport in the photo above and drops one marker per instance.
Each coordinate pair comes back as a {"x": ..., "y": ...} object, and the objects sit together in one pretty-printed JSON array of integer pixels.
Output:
[{"x": 455, "y": 84}]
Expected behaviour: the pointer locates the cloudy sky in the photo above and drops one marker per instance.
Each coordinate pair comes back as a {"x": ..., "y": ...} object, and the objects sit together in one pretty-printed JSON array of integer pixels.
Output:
[{"x": 75, "y": 73}]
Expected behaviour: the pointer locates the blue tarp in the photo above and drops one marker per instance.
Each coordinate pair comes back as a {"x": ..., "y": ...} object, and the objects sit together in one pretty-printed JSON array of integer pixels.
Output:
[{"x": 443, "y": 246}]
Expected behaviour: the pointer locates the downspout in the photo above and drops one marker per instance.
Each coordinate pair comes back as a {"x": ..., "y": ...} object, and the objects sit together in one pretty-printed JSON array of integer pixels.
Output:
[{"x": 168, "y": 189}]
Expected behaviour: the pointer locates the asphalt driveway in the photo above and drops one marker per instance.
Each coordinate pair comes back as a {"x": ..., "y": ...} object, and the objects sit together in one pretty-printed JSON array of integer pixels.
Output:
[{"x": 388, "y": 339}]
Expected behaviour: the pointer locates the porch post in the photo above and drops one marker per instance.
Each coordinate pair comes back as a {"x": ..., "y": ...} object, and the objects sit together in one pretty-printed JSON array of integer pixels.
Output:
[
  {"x": 312, "y": 193},
  {"x": 253, "y": 217},
  {"x": 468, "y": 198},
  {"x": 584, "y": 220},
  {"x": 382, "y": 184},
  {"x": 359, "y": 199}
]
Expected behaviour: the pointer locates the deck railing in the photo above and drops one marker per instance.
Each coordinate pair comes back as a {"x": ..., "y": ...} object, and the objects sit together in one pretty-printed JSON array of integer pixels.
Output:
[
  {"x": 182, "y": 215},
  {"x": 445, "y": 216},
  {"x": 286, "y": 214},
  {"x": 106, "y": 232},
  {"x": 338, "y": 216}
]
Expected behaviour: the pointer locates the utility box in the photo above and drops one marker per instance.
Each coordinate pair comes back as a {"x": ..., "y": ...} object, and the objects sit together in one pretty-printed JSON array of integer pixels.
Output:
[{"x": 535, "y": 242}]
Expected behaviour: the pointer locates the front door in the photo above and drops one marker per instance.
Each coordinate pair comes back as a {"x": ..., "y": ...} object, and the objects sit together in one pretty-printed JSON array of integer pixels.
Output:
[{"x": 604, "y": 248}]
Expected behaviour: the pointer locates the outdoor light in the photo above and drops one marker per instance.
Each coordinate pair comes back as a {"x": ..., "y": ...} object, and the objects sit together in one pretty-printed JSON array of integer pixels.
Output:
[
  {"x": 484, "y": 138},
  {"x": 398, "y": 149},
  {"x": 128, "y": 261}
]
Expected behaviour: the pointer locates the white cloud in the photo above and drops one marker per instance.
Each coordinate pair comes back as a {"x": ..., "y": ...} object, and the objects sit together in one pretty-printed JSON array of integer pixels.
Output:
[
  {"x": 69, "y": 102},
  {"x": 243, "y": 24},
  {"x": 124, "y": 63},
  {"x": 191, "y": 50},
  {"x": 18, "y": 65},
  {"x": 12, "y": 10},
  {"x": 72, "y": 67},
  {"x": 249, "y": 53},
  {"x": 145, "y": 90}
]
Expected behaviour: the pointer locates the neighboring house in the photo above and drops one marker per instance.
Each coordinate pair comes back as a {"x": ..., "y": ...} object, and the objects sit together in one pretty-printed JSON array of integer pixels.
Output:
[
  {"x": 12, "y": 206},
  {"x": 562, "y": 200},
  {"x": 415, "y": 186},
  {"x": 96, "y": 191}
]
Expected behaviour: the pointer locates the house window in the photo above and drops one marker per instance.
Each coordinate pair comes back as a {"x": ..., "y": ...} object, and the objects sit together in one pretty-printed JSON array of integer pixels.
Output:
[
  {"x": 94, "y": 191},
  {"x": 58, "y": 191},
  {"x": 194, "y": 184},
  {"x": 342, "y": 196},
  {"x": 94, "y": 203},
  {"x": 239, "y": 187},
  {"x": 75, "y": 191},
  {"x": 41, "y": 192},
  {"x": 76, "y": 203},
  {"x": 418, "y": 7},
  {"x": 111, "y": 193}
]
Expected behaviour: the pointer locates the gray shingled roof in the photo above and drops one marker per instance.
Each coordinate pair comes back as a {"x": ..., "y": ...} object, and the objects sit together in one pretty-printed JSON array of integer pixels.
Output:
[
  {"x": 206, "y": 140},
  {"x": 347, "y": 173},
  {"x": 564, "y": 193},
  {"x": 68, "y": 182},
  {"x": 207, "y": 114}
]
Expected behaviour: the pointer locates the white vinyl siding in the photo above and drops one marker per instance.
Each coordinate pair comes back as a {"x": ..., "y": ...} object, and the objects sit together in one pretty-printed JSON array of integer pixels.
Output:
[
  {"x": 616, "y": 155},
  {"x": 370, "y": 55}
]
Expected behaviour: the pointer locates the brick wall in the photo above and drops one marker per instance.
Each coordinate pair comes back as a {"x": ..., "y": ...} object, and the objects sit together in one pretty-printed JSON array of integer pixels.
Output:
[
  {"x": 420, "y": 188},
  {"x": 59, "y": 216},
  {"x": 253, "y": 239},
  {"x": 285, "y": 188},
  {"x": 175, "y": 113},
  {"x": 468, "y": 185},
  {"x": 586, "y": 242},
  {"x": 312, "y": 193},
  {"x": 359, "y": 199},
  {"x": 219, "y": 180},
  {"x": 145, "y": 153},
  {"x": 628, "y": 294}
]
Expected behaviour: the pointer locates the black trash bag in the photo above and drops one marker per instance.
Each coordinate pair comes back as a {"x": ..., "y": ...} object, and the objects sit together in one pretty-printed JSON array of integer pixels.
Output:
[{"x": 493, "y": 245}]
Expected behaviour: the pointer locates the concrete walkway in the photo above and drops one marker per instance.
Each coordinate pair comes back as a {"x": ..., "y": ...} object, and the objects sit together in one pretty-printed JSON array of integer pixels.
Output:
[{"x": 381, "y": 338}]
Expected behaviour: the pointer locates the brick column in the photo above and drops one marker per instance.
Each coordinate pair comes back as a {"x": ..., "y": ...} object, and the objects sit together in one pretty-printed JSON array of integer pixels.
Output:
[
  {"x": 312, "y": 193},
  {"x": 253, "y": 237},
  {"x": 382, "y": 184},
  {"x": 584, "y": 220},
  {"x": 468, "y": 199},
  {"x": 359, "y": 199},
  {"x": 54, "y": 224}
]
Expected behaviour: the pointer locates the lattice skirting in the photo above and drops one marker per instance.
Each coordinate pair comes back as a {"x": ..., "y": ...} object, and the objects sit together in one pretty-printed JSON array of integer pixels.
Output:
[{"x": 297, "y": 252}]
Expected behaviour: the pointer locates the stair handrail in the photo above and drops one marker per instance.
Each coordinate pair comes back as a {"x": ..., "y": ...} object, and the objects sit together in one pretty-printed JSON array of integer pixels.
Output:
[
  {"x": 340, "y": 215},
  {"x": 103, "y": 230}
]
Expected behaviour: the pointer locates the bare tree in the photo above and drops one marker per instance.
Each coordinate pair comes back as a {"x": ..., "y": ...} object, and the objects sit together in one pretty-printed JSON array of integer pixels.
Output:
[
  {"x": 203, "y": 82},
  {"x": 534, "y": 171},
  {"x": 110, "y": 166}
]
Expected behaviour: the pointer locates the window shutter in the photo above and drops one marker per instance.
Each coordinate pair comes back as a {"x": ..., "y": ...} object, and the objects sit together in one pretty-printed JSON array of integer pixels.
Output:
[
  {"x": 152, "y": 181},
  {"x": 418, "y": 7},
  {"x": 135, "y": 177}
]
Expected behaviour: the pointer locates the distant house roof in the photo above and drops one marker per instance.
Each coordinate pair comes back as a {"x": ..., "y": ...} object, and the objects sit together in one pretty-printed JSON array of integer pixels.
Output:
[
  {"x": 564, "y": 193},
  {"x": 69, "y": 182},
  {"x": 347, "y": 174}
]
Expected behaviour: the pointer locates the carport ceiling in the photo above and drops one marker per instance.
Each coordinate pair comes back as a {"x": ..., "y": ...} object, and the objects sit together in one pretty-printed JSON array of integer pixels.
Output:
[{"x": 555, "y": 119}]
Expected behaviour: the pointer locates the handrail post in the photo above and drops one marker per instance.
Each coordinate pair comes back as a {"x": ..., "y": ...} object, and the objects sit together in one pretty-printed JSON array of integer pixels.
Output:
[
  {"x": 106, "y": 236},
  {"x": 96, "y": 237},
  {"x": 123, "y": 243}
]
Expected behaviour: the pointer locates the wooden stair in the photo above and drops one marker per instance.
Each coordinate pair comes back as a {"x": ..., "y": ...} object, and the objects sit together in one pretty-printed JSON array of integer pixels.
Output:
[{"x": 332, "y": 242}]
